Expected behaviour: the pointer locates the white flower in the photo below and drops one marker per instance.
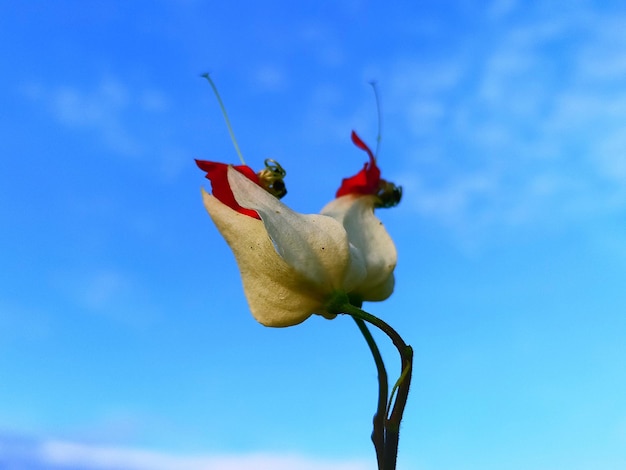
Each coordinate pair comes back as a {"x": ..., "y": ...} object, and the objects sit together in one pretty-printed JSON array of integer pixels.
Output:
[
  {"x": 369, "y": 236},
  {"x": 292, "y": 264}
]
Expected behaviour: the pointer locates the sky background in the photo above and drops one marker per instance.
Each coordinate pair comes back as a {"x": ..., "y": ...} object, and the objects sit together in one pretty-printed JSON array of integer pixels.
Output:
[{"x": 125, "y": 338}]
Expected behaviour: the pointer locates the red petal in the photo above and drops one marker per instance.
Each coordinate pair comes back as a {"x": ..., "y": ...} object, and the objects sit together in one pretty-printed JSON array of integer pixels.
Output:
[
  {"x": 365, "y": 181},
  {"x": 217, "y": 174}
]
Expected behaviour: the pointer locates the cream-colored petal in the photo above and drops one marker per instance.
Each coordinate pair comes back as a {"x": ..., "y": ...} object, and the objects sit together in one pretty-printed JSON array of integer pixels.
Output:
[
  {"x": 278, "y": 295},
  {"x": 314, "y": 245},
  {"x": 380, "y": 291},
  {"x": 357, "y": 270},
  {"x": 368, "y": 234}
]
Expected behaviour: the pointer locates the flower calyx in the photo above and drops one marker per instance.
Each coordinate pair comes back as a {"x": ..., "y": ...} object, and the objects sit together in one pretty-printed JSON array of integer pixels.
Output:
[
  {"x": 271, "y": 179},
  {"x": 368, "y": 181}
]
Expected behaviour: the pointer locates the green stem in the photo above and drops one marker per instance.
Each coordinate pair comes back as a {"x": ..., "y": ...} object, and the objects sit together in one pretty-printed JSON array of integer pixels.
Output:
[
  {"x": 392, "y": 422},
  {"x": 378, "y": 434}
]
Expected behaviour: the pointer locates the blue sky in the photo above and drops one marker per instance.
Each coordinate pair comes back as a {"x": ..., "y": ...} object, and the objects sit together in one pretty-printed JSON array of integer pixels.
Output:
[{"x": 125, "y": 339}]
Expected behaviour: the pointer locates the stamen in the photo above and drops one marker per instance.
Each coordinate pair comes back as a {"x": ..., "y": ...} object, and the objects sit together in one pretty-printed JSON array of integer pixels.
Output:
[
  {"x": 379, "y": 136},
  {"x": 225, "y": 114},
  {"x": 271, "y": 178},
  {"x": 389, "y": 195}
]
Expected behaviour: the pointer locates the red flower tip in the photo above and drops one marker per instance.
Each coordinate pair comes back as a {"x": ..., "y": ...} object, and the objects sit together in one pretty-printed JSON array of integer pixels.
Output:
[
  {"x": 366, "y": 181},
  {"x": 217, "y": 173}
]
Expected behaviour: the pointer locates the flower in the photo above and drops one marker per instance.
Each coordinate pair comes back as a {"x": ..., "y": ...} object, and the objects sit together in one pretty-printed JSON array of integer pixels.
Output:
[
  {"x": 368, "y": 181},
  {"x": 292, "y": 264},
  {"x": 354, "y": 208}
]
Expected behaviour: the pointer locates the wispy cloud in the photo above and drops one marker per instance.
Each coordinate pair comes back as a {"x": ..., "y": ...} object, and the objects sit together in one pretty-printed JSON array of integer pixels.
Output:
[
  {"x": 108, "y": 291},
  {"x": 270, "y": 77},
  {"x": 56, "y": 454},
  {"x": 120, "y": 116},
  {"x": 100, "y": 109},
  {"x": 526, "y": 129},
  {"x": 19, "y": 323}
]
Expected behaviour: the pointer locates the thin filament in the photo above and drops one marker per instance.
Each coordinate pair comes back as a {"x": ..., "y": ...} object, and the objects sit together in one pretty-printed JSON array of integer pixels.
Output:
[
  {"x": 225, "y": 114},
  {"x": 378, "y": 113}
]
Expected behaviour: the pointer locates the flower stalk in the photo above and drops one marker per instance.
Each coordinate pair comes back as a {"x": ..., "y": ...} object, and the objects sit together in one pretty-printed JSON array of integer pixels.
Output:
[
  {"x": 378, "y": 432},
  {"x": 388, "y": 416}
]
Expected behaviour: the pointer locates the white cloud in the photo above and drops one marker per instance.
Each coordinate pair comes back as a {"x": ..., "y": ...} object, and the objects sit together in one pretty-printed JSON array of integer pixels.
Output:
[
  {"x": 527, "y": 129},
  {"x": 20, "y": 324},
  {"x": 108, "y": 108},
  {"x": 448, "y": 201},
  {"x": 424, "y": 117},
  {"x": 61, "y": 454},
  {"x": 500, "y": 8},
  {"x": 611, "y": 156},
  {"x": 97, "y": 290},
  {"x": 153, "y": 100},
  {"x": 322, "y": 41},
  {"x": 100, "y": 109},
  {"x": 121, "y": 117},
  {"x": 109, "y": 292},
  {"x": 427, "y": 78},
  {"x": 270, "y": 78},
  {"x": 103, "y": 287}
]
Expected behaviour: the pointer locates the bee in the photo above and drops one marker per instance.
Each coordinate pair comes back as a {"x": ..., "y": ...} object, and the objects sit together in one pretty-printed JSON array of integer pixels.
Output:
[{"x": 271, "y": 178}]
